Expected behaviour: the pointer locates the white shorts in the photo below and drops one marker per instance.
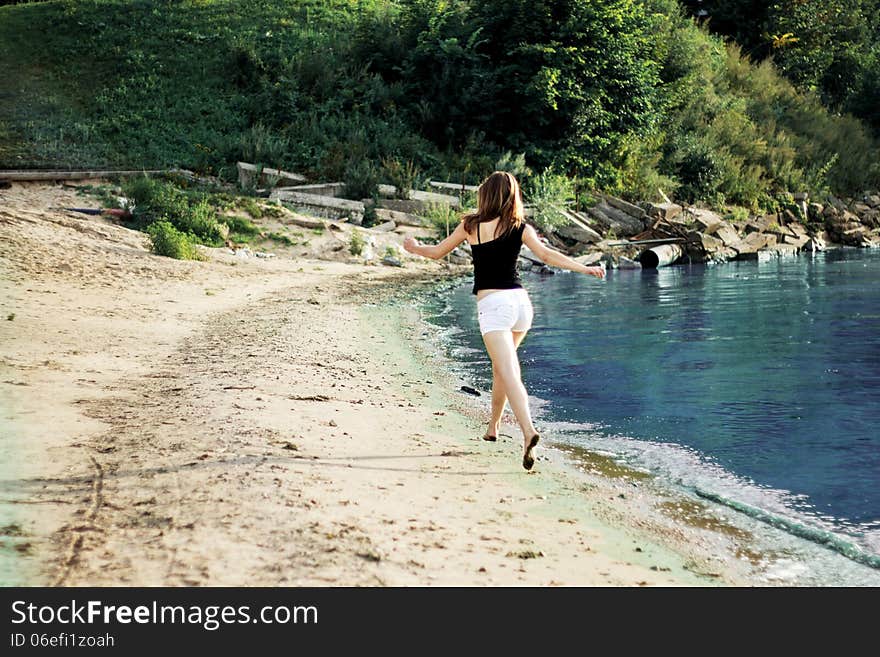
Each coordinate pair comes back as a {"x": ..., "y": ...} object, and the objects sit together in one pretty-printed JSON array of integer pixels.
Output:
[{"x": 505, "y": 310}]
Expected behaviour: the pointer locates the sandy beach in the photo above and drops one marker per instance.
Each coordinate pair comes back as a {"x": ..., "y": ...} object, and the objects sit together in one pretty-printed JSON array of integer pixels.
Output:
[{"x": 283, "y": 421}]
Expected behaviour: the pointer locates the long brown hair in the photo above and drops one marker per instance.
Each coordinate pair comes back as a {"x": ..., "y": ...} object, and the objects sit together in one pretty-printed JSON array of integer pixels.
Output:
[{"x": 498, "y": 196}]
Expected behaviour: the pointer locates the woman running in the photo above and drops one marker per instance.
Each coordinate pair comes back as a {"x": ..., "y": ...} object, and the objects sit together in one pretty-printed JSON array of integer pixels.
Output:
[{"x": 496, "y": 232}]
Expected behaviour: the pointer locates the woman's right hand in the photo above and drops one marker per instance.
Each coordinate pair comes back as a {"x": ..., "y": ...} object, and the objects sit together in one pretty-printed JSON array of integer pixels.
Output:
[
  {"x": 410, "y": 244},
  {"x": 598, "y": 272}
]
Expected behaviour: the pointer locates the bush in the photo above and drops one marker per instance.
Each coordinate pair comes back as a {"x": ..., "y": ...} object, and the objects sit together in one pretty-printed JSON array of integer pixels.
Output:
[
  {"x": 514, "y": 164},
  {"x": 357, "y": 243},
  {"x": 239, "y": 226},
  {"x": 168, "y": 241},
  {"x": 698, "y": 169},
  {"x": 401, "y": 175},
  {"x": 361, "y": 180},
  {"x": 443, "y": 218},
  {"x": 157, "y": 200},
  {"x": 262, "y": 145},
  {"x": 548, "y": 193}
]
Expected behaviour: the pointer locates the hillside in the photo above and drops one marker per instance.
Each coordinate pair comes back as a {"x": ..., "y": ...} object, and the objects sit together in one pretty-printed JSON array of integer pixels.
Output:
[{"x": 620, "y": 95}]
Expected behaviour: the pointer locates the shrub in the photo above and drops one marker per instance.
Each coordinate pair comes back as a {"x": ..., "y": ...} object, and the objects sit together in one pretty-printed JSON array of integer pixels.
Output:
[
  {"x": 548, "y": 193},
  {"x": 157, "y": 200},
  {"x": 263, "y": 145},
  {"x": 442, "y": 217},
  {"x": 239, "y": 226},
  {"x": 357, "y": 243},
  {"x": 361, "y": 180},
  {"x": 515, "y": 164},
  {"x": 401, "y": 175},
  {"x": 168, "y": 241}
]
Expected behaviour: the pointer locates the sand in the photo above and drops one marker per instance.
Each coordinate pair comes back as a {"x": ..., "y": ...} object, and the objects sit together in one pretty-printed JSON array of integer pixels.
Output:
[{"x": 275, "y": 422}]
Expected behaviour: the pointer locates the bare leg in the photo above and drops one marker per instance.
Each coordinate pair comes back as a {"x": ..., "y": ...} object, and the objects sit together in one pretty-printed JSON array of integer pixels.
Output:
[
  {"x": 499, "y": 394},
  {"x": 505, "y": 366}
]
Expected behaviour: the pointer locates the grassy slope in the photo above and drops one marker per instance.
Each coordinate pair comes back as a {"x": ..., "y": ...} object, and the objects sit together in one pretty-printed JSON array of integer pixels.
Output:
[
  {"x": 168, "y": 83},
  {"x": 88, "y": 73}
]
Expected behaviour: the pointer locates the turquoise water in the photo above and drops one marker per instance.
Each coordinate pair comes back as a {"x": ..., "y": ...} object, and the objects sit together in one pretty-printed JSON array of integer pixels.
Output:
[{"x": 753, "y": 383}]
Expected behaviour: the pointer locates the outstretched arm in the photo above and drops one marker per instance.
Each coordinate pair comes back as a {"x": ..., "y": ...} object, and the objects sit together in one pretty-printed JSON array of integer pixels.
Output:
[
  {"x": 554, "y": 258},
  {"x": 436, "y": 251}
]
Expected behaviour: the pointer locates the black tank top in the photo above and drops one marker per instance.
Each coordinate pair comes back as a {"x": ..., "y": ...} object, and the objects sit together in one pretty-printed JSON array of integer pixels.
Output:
[{"x": 495, "y": 261}]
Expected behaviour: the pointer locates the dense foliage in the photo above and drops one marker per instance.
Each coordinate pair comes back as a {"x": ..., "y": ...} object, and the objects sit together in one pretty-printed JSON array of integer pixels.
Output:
[
  {"x": 831, "y": 47},
  {"x": 628, "y": 96}
]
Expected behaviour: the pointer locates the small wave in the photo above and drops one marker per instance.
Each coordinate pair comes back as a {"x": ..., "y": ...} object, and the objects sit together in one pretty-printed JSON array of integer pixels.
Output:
[{"x": 689, "y": 470}]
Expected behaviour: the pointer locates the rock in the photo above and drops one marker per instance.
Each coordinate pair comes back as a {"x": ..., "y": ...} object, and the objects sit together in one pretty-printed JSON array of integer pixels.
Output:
[
  {"x": 385, "y": 226},
  {"x": 788, "y": 216},
  {"x": 664, "y": 210},
  {"x": 590, "y": 259},
  {"x": 839, "y": 205},
  {"x": 771, "y": 222},
  {"x": 705, "y": 221},
  {"x": 369, "y": 251},
  {"x": 471, "y": 391},
  {"x": 784, "y": 249},
  {"x": 460, "y": 257},
  {"x": 727, "y": 234},
  {"x": 801, "y": 196},
  {"x": 578, "y": 231},
  {"x": 870, "y": 218},
  {"x": 422, "y": 198},
  {"x": 725, "y": 253},
  {"x": 403, "y": 218},
  {"x": 455, "y": 187},
  {"x": 854, "y": 236},
  {"x": 814, "y": 211},
  {"x": 624, "y": 206},
  {"x": 873, "y": 200},
  {"x": 322, "y": 189},
  {"x": 711, "y": 244},
  {"x": 525, "y": 253},
  {"x": 797, "y": 242},
  {"x": 797, "y": 229},
  {"x": 861, "y": 208},
  {"x": 328, "y": 206},
  {"x": 626, "y": 263},
  {"x": 247, "y": 176},
  {"x": 815, "y": 243},
  {"x": 302, "y": 221},
  {"x": 754, "y": 242},
  {"x": 391, "y": 261},
  {"x": 400, "y": 205},
  {"x": 772, "y": 240}
]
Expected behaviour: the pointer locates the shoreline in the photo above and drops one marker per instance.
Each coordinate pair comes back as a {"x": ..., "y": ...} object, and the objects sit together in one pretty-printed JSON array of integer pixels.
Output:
[
  {"x": 747, "y": 545},
  {"x": 257, "y": 423},
  {"x": 289, "y": 422}
]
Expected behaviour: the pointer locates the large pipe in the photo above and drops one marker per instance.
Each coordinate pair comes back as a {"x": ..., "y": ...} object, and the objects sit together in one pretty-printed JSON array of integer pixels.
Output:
[{"x": 660, "y": 256}]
